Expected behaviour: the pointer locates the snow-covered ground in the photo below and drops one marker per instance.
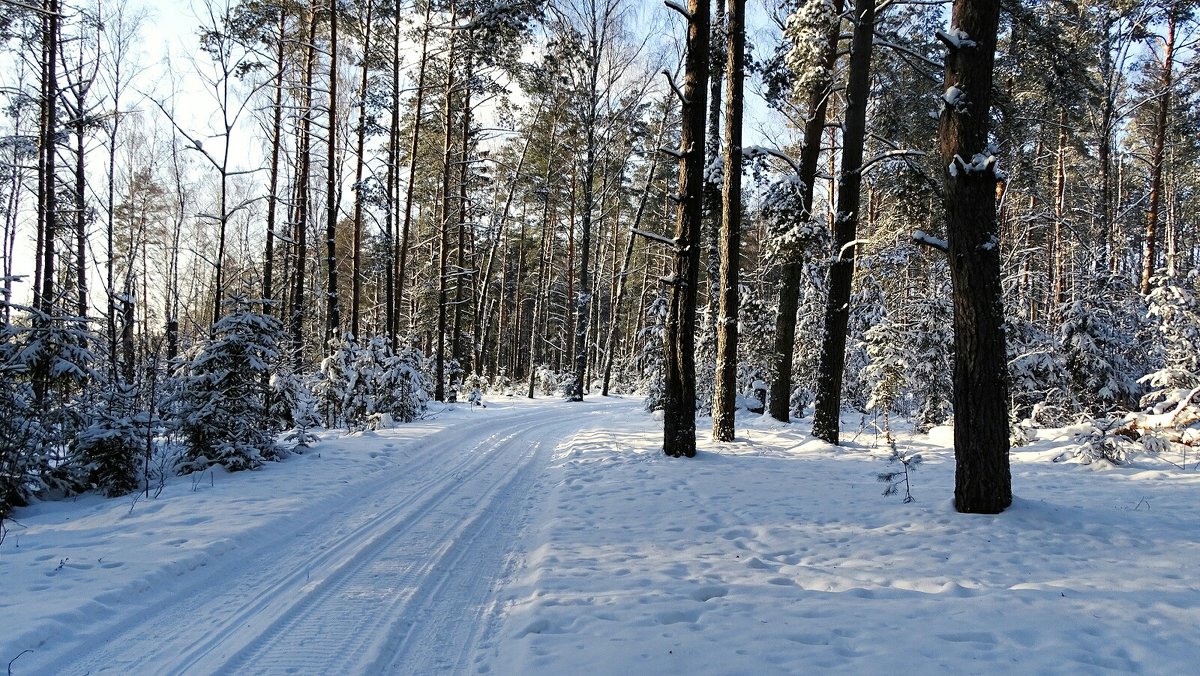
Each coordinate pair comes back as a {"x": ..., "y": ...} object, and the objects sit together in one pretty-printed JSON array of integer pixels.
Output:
[{"x": 555, "y": 538}]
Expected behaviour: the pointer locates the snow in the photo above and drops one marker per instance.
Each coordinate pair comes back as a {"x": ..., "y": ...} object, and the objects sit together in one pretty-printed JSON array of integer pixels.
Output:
[
  {"x": 549, "y": 537},
  {"x": 954, "y": 97},
  {"x": 956, "y": 38}
]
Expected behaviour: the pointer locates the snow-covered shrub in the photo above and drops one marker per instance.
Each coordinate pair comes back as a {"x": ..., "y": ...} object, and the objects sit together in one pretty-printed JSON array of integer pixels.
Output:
[
  {"x": 1094, "y": 339},
  {"x": 342, "y": 390},
  {"x": 909, "y": 462},
  {"x": 887, "y": 372},
  {"x": 1175, "y": 312},
  {"x": 1101, "y": 442},
  {"x": 294, "y": 408},
  {"x": 502, "y": 383},
  {"x": 931, "y": 346},
  {"x": 368, "y": 386},
  {"x": 1038, "y": 378},
  {"x": 867, "y": 308},
  {"x": 46, "y": 361},
  {"x": 119, "y": 436},
  {"x": 224, "y": 387},
  {"x": 651, "y": 354},
  {"x": 21, "y": 432},
  {"x": 412, "y": 383},
  {"x": 566, "y": 385},
  {"x": 545, "y": 379},
  {"x": 1170, "y": 416}
]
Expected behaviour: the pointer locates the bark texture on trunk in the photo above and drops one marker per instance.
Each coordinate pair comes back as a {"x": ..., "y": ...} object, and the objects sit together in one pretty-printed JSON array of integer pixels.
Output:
[
  {"x": 982, "y": 480},
  {"x": 827, "y": 416},
  {"x": 1150, "y": 242},
  {"x": 725, "y": 398},
  {"x": 679, "y": 401},
  {"x": 779, "y": 404}
]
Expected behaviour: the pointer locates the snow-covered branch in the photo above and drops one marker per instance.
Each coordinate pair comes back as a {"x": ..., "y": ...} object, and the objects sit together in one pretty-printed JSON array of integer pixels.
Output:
[
  {"x": 922, "y": 237},
  {"x": 678, "y": 8},
  {"x": 955, "y": 38},
  {"x": 754, "y": 152},
  {"x": 661, "y": 239}
]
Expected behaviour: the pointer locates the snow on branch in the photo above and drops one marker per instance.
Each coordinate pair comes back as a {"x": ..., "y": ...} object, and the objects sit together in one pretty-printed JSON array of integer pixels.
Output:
[
  {"x": 956, "y": 38},
  {"x": 922, "y": 237},
  {"x": 846, "y": 247},
  {"x": 756, "y": 152},
  {"x": 955, "y": 98},
  {"x": 677, "y": 154},
  {"x": 678, "y": 8},
  {"x": 981, "y": 163},
  {"x": 661, "y": 239}
]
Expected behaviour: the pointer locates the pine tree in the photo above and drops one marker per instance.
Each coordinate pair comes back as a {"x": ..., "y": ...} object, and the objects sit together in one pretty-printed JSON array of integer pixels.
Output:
[{"x": 224, "y": 390}]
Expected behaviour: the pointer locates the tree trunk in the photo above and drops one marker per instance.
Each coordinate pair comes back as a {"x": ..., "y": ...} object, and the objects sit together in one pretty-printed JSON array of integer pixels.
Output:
[
  {"x": 982, "y": 480},
  {"x": 444, "y": 233},
  {"x": 1150, "y": 243},
  {"x": 725, "y": 398},
  {"x": 463, "y": 212},
  {"x": 359, "y": 161},
  {"x": 273, "y": 180},
  {"x": 47, "y": 185},
  {"x": 303, "y": 166},
  {"x": 712, "y": 150},
  {"x": 826, "y": 418},
  {"x": 789, "y": 284},
  {"x": 679, "y": 401},
  {"x": 333, "y": 312},
  {"x": 413, "y": 146}
]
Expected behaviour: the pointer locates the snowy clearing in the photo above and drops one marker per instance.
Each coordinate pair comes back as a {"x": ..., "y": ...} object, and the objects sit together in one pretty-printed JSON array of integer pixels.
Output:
[{"x": 551, "y": 538}]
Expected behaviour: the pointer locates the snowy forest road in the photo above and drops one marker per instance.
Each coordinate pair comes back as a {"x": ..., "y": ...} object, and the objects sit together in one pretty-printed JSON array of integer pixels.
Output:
[{"x": 399, "y": 577}]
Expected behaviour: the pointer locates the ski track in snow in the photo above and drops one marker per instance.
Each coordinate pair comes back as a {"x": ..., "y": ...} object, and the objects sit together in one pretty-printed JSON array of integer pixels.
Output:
[{"x": 397, "y": 578}]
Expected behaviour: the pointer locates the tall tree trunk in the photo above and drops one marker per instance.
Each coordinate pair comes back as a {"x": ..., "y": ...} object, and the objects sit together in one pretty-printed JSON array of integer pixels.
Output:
[
  {"x": 712, "y": 150},
  {"x": 1059, "y": 272},
  {"x": 779, "y": 405},
  {"x": 333, "y": 312},
  {"x": 826, "y": 418},
  {"x": 583, "y": 296},
  {"x": 402, "y": 245},
  {"x": 48, "y": 197},
  {"x": 982, "y": 480},
  {"x": 545, "y": 260},
  {"x": 444, "y": 234},
  {"x": 1150, "y": 243},
  {"x": 725, "y": 397},
  {"x": 303, "y": 167},
  {"x": 463, "y": 211},
  {"x": 273, "y": 176},
  {"x": 679, "y": 401},
  {"x": 81, "y": 289},
  {"x": 359, "y": 162}
]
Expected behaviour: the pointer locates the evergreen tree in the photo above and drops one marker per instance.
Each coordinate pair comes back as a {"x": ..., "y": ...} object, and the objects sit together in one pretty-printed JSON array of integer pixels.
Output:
[{"x": 224, "y": 392}]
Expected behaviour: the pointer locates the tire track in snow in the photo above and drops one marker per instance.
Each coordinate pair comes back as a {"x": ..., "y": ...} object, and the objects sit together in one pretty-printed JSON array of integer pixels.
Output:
[{"x": 224, "y": 612}]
